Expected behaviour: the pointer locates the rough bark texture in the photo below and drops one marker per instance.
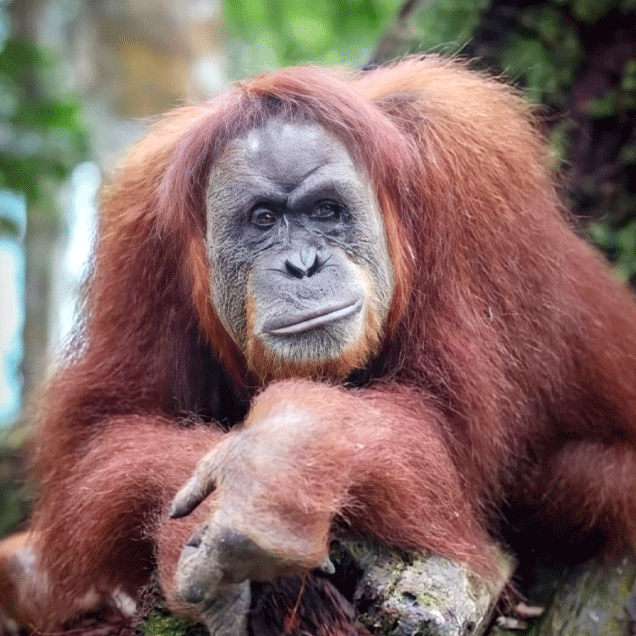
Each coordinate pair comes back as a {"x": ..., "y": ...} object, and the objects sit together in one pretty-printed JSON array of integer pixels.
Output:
[
  {"x": 400, "y": 595},
  {"x": 591, "y": 601},
  {"x": 595, "y": 598}
]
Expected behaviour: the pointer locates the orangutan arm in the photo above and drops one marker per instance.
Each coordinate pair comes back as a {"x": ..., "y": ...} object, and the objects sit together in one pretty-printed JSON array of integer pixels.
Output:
[
  {"x": 101, "y": 523},
  {"x": 308, "y": 453}
]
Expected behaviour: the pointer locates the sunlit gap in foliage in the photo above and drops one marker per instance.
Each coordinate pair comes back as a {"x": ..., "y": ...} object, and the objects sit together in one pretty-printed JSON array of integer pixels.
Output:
[
  {"x": 73, "y": 254},
  {"x": 71, "y": 258},
  {"x": 13, "y": 219}
]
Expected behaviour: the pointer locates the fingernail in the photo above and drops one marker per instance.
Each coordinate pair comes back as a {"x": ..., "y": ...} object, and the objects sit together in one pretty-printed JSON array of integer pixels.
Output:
[{"x": 327, "y": 566}]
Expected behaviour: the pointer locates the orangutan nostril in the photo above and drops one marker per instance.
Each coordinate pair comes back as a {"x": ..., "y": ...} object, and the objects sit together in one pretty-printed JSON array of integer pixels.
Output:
[{"x": 195, "y": 540}]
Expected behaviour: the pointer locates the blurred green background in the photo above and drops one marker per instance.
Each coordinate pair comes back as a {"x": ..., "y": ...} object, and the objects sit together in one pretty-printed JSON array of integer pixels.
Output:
[{"x": 80, "y": 80}]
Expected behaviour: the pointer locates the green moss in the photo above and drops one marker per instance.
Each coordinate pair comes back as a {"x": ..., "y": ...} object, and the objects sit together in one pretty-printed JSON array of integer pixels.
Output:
[
  {"x": 428, "y": 601},
  {"x": 162, "y": 623}
]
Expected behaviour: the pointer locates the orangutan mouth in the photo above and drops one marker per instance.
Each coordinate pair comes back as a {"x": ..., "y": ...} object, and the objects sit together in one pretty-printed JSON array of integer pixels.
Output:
[{"x": 315, "y": 318}]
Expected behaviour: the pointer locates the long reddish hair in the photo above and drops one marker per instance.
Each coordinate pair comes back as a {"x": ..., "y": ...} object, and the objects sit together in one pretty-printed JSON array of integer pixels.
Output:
[
  {"x": 507, "y": 337},
  {"x": 475, "y": 230}
]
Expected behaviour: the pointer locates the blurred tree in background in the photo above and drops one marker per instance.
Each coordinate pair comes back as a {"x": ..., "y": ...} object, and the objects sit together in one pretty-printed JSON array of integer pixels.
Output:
[
  {"x": 41, "y": 140},
  {"x": 267, "y": 34}
]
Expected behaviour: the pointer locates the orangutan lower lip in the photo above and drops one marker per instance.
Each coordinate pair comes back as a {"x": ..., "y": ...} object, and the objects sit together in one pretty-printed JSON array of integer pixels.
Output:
[{"x": 317, "y": 318}]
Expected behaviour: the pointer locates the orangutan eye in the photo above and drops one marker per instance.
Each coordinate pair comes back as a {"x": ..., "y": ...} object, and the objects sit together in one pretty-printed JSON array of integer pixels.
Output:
[
  {"x": 327, "y": 210},
  {"x": 264, "y": 218}
]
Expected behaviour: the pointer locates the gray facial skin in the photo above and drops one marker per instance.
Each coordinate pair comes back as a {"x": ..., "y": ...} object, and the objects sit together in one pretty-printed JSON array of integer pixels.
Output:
[{"x": 293, "y": 225}]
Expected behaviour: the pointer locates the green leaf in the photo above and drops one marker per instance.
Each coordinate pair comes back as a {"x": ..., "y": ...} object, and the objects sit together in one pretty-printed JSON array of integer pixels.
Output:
[
  {"x": 604, "y": 106},
  {"x": 270, "y": 33},
  {"x": 42, "y": 137},
  {"x": 16, "y": 55},
  {"x": 449, "y": 22},
  {"x": 592, "y": 10},
  {"x": 9, "y": 228}
]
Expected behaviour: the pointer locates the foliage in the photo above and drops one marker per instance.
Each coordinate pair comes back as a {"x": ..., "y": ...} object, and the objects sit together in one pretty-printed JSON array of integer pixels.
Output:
[
  {"x": 41, "y": 137},
  {"x": 619, "y": 244},
  {"x": 446, "y": 25},
  {"x": 578, "y": 59},
  {"x": 8, "y": 227},
  {"x": 15, "y": 497},
  {"x": 162, "y": 623},
  {"x": 41, "y": 140},
  {"x": 267, "y": 34}
]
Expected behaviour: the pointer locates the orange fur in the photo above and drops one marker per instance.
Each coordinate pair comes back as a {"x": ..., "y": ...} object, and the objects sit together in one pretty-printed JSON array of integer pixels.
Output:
[
  {"x": 506, "y": 373},
  {"x": 17, "y": 608}
]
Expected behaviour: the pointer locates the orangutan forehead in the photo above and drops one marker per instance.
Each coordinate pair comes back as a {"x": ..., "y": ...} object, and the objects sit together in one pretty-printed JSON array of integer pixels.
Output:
[
  {"x": 282, "y": 159},
  {"x": 286, "y": 151}
]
